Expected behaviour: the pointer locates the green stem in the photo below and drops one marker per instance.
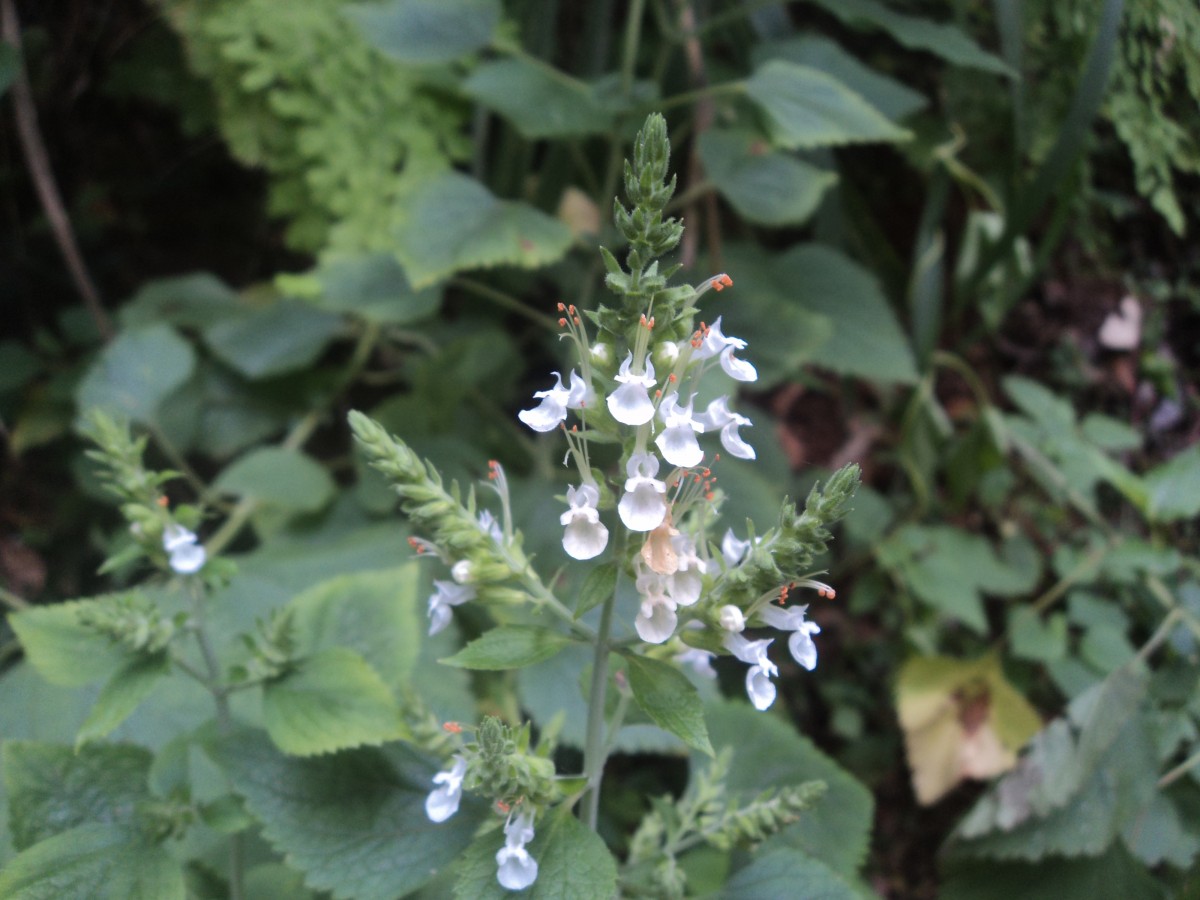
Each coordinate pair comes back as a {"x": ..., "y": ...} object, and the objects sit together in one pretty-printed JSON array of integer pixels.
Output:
[
  {"x": 633, "y": 34},
  {"x": 13, "y": 601},
  {"x": 595, "y": 751},
  {"x": 1179, "y": 771},
  {"x": 505, "y": 301}
]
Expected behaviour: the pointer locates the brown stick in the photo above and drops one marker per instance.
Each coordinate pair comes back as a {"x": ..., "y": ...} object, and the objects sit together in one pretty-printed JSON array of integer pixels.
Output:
[{"x": 43, "y": 177}]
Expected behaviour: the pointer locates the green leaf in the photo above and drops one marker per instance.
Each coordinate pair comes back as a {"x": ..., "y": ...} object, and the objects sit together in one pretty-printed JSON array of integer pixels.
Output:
[
  {"x": 889, "y": 96},
  {"x": 767, "y": 753},
  {"x": 599, "y": 585},
  {"x": 63, "y": 651},
  {"x": 454, "y": 223},
  {"x": 372, "y": 613},
  {"x": 51, "y": 788},
  {"x": 427, "y": 31},
  {"x": 185, "y": 301},
  {"x": 281, "y": 337},
  {"x": 278, "y": 476},
  {"x": 1111, "y": 874},
  {"x": 136, "y": 372},
  {"x": 946, "y": 41},
  {"x": 808, "y": 108},
  {"x": 1033, "y": 637},
  {"x": 93, "y": 862},
  {"x": 330, "y": 701},
  {"x": 785, "y": 873},
  {"x": 764, "y": 186},
  {"x": 573, "y": 864},
  {"x": 508, "y": 647},
  {"x": 354, "y": 823},
  {"x": 669, "y": 699},
  {"x": 539, "y": 101},
  {"x": 375, "y": 288},
  {"x": 123, "y": 693},
  {"x": 1175, "y": 488}
]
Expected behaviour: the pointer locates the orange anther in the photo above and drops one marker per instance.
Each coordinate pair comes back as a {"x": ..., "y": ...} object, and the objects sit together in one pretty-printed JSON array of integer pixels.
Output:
[
  {"x": 562, "y": 323},
  {"x": 561, "y": 308},
  {"x": 671, "y": 378},
  {"x": 452, "y": 727},
  {"x": 503, "y": 807}
]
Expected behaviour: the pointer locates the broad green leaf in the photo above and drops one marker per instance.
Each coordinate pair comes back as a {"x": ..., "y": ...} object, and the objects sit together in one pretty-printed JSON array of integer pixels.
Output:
[
  {"x": 93, "y": 862},
  {"x": 808, "y": 108},
  {"x": 669, "y": 699},
  {"x": 330, "y": 701},
  {"x": 372, "y": 613},
  {"x": 946, "y": 41},
  {"x": 1033, "y": 637},
  {"x": 599, "y": 585},
  {"x": 185, "y": 301},
  {"x": 539, "y": 101},
  {"x": 275, "y": 881},
  {"x": 354, "y": 822},
  {"x": 374, "y": 287},
  {"x": 427, "y": 31},
  {"x": 785, "y": 873},
  {"x": 573, "y": 864},
  {"x": 1040, "y": 403},
  {"x": 51, "y": 788},
  {"x": 280, "y": 337},
  {"x": 454, "y": 223},
  {"x": 1175, "y": 487},
  {"x": 867, "y": 340},
  {"x": 1112, "y": 874},
  {"x": 767, "y": 753},
  {"x": 892, "y": 98},
  {"x": 285, "y": 478},
  {"x": 122, "y": 694},
  {"x": 1165, "y": 831},
  {"x": 508, "y": 647},
  {"x": 63, "y": 651},
  {"x": 1108, "y": 433},
  {"x": 765, "y": 186},
  {"x": 135, "y": 373}
]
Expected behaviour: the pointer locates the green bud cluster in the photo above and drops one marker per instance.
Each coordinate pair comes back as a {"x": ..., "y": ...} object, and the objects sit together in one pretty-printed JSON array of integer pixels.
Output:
[
  {"x": 502, "y": 767},
  {"x": 435, "y": 511},
  {"x": 272, "y": 649},
  {"x": 768, "y": 813},
  {"x": 131, "y": 619},
  {"x": 119, "y": 456}
]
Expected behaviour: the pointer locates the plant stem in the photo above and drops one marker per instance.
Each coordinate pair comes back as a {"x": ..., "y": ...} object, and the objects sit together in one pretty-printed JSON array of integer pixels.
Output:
[
  {"x": 505, "y": 302},
  {"x": 595, "y": 751},
  {"x": 13, "y": 601},
  {"x": 1179, "y": 771}
]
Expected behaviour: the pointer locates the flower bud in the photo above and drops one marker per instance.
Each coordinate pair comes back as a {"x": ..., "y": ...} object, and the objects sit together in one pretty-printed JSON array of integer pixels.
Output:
[
  {"x": 462, "y": 571},
  {"x": 731, "y": 619}
]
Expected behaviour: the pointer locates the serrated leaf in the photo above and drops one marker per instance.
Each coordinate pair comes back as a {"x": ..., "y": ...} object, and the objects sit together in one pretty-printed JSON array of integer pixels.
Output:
[
  {"x": 807, "y": 108},
  {"x": 599, "y": 585},
  {"x": 539, "y": 102},
  {"x": 136, "y": 372},
  {"x": 330, "y": 701},
  {"x": 508, "y": 647},
  {"x": 372, "y": 613},
  {"x": 573, "y": 864},
  {"x": 122, "y": 694},
  {"x": 785, "y": 873},
  {"x": 51, "y": 788},
  {"x": 1112, "y": 874},
  {"x": 63, "y": 651},
  {"x": 271, "y": 340},
  {"x": 427, "y": 31},
  {"x": 669, "y": 699},
  {"x": 93, "y": 862},
  {"x": 454, "y": 223},
  {"x": 767, "y": 753},
  {"x": 765, "y": 186},
  {"x": 280, "y": 477},
  {"x": 355, "y": 822}
]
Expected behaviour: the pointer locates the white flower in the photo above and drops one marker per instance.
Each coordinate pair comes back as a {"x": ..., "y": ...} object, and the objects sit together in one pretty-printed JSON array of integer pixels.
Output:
[
  {"x": 185, "y": 555},
  {"x": 699, "y": 660},
  {"x": 734, "y": 549},
  {"x": 489, "y": 526},
  {"x": 684, "y": 584},
  {"x": 581, "y": 395},
  {"x": 804, "y": 651},
  {"x": 718, "y": 415},
  {"x": 443, "y": 801},
  {"x": 731, "y": 618},
  {"x": 515, "y": 868},
  {"x": 585, "y": 536},
  {"x": 678, "y": 440},
  {"x": 715, "y": 343},
  {"x": 446, "y": 594},
  {"x": 644, "y": 506},
  {"x": 656, "y": 619},
  {"x": 462, "y": 571},
  {"x": 552, "y": 411},
  {"x": 630, "y": 404},
  {"x": 759, "y": 688}
]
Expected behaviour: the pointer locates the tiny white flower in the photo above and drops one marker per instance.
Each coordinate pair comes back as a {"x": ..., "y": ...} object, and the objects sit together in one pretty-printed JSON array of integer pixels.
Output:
[
  {"x": 699, "y": 660},
  {"x": 731, "y": 618},
  {"x": 515, "y": 868},
  {"x": 718, "y": 415},
  {"x": 580, "y": 395},
  {"x": 734, "y": 549},
  {"x": 462, "y": 571},
  {"x": 656, "y": 618},
  {"x": 685, "y": 584},
  {"x": 643, "y": 506},
  {"x": 446, "y": 594},
  {"x": 184, "y": 554},
  {"x": 678, "y": 440},
  {"x": 715, "y": 343},
  {"x": 552, "y": 411},
  {"x": 443, "y": 801},
  {"x": 489, "y": 526},
  {"x": 759, "y": 687},
  {"x": 630, "y": 404},
  {"x": 801, "y": 644},
  {"x": 585, "y": 536}
]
